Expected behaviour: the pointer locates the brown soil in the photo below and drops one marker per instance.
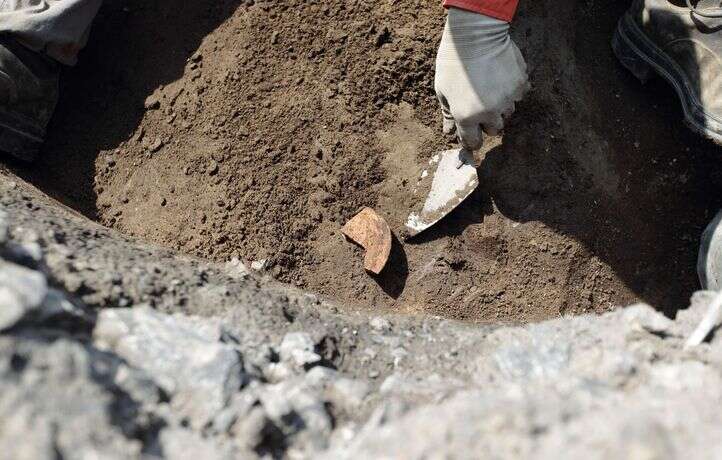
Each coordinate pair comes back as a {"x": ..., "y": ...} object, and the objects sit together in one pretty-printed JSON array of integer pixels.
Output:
[{"x": 256, "y": 129}]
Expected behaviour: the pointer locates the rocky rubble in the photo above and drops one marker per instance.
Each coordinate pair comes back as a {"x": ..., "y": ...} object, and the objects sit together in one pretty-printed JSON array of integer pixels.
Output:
[{"x": 110, "y": 348}]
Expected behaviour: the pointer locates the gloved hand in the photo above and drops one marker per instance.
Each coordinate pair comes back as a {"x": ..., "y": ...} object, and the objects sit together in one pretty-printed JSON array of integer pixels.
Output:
[{"x": 480, "y": 75}]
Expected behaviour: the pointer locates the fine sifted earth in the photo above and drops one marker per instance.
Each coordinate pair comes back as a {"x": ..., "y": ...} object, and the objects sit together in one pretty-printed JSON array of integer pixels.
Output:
[{"x": 257, "y": 129}]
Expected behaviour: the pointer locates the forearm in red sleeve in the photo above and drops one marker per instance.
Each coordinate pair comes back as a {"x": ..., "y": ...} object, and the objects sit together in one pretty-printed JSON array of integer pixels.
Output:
[{"x": 500, "y": 9}]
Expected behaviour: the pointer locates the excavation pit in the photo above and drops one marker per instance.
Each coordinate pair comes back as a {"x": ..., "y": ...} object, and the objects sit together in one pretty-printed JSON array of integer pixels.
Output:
[{"x": 257, "y": 129}]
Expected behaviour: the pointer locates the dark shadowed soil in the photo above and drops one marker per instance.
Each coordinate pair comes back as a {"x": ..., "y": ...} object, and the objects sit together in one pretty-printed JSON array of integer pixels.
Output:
[{"x": 256, "y": 129}]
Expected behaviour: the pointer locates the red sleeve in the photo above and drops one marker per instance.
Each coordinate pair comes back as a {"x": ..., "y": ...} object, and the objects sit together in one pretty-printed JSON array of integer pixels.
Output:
[{"x": 500, "y": 9}]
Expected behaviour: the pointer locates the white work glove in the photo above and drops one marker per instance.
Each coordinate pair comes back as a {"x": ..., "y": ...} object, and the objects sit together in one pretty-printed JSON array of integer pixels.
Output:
[{"x": 480, "y": 75}]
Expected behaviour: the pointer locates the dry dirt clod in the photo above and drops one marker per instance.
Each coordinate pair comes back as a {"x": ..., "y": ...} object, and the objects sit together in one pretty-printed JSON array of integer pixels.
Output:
[{"x": 372, "y": 232}]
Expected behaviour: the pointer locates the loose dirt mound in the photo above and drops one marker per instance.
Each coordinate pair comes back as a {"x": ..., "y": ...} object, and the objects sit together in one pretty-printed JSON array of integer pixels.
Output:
[{"x": 257, "y": 129}]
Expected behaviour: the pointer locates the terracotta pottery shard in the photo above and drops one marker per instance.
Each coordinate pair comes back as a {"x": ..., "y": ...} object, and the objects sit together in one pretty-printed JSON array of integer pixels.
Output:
[{"x": 372, "y": 232}]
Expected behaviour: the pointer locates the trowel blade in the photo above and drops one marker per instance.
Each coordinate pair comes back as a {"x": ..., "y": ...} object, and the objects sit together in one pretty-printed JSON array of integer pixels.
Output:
[{"x": 449, "y": 179}]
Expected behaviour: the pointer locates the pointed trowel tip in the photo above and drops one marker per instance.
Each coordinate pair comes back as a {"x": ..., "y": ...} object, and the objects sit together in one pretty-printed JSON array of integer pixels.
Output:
[{"x": 445, "y": 187}]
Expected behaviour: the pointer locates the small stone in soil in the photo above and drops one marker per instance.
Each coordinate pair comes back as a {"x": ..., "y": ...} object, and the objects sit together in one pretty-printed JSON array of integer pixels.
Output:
[
  {"x": 259, "y": 265},
  {"x": 152, "y": 103},
  {"x": 380, "y": 324},
  {"x": 156, "y": 145}
]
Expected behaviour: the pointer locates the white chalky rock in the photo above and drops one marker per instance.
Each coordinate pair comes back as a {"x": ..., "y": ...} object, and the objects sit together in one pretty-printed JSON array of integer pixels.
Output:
[
  {"x": 380, "y": 324},
  {"x": 349, "y": 393},
  {"x": 259, "y": 265},
  {"x": 4, "y": 227},
  {"x": 237, "y": 269},
  {"x": 184, "y": 358},
  {"x": 644, "y": 317},
  {"x": 298, "y": 347},
  {"x": 21, "y": 291}
]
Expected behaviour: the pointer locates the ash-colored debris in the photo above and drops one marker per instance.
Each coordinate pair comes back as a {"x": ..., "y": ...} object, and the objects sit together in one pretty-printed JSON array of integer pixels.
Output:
[{"x": 212, "y": 363}]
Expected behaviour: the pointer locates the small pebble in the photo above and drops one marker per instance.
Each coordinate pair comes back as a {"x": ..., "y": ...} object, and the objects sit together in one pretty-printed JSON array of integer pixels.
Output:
[
  {"x": 259, "y": 264},
  {"x": 156, "y": 145},
  {"x": 152, "y": 103},
  {"x": 380, "y": 324}
]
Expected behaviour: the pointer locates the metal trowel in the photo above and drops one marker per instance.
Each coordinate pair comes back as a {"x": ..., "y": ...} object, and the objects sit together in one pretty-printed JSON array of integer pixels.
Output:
[{"x": 447, "y": 181}]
